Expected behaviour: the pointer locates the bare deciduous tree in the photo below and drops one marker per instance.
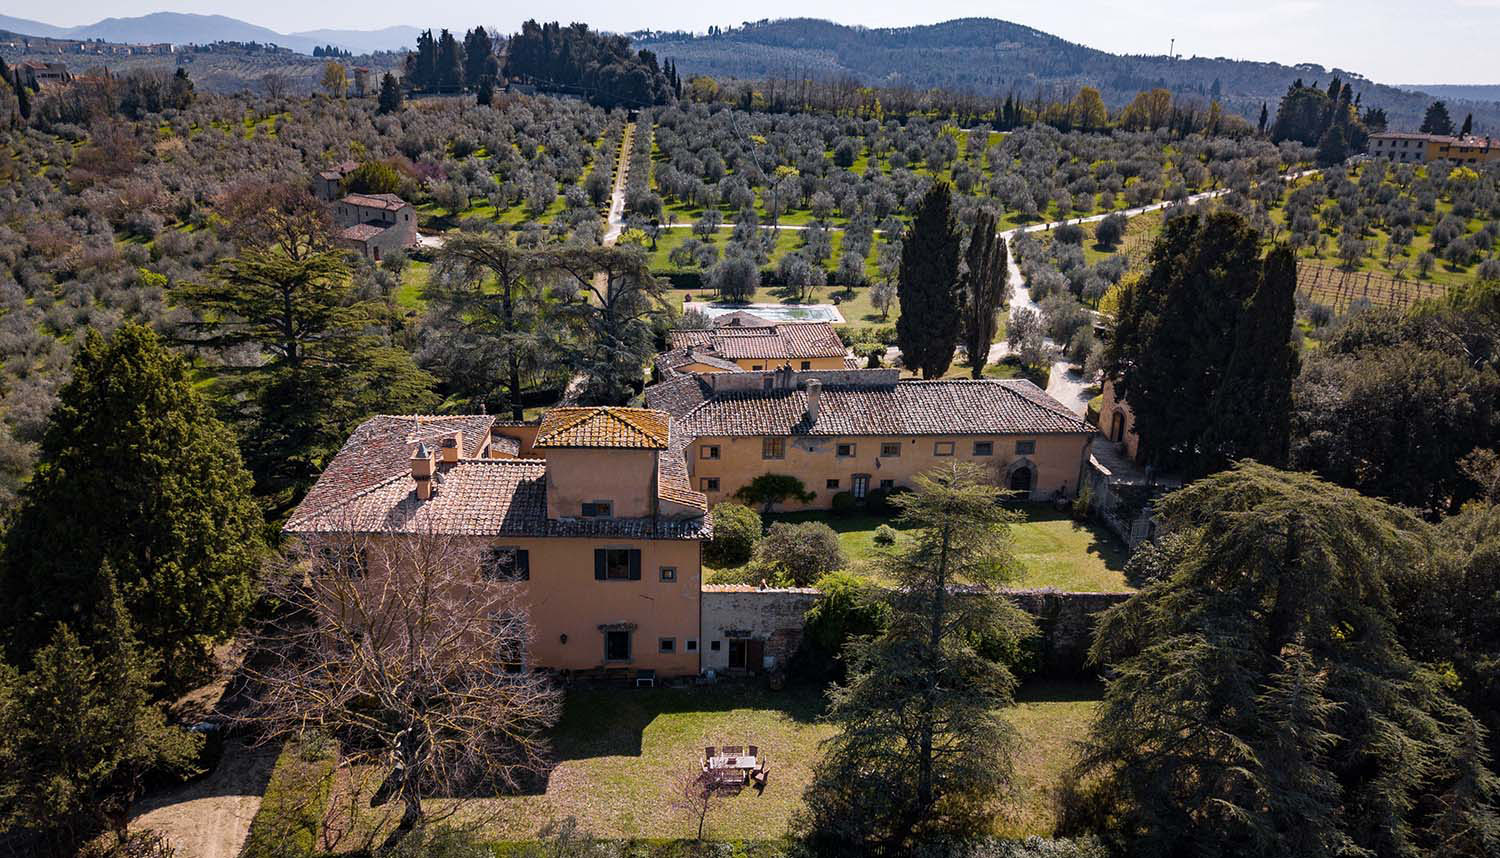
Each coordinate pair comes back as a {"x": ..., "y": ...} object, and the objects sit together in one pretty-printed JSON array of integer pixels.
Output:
[
  {"x": 696, "y": 794},
  {"x": 411, "y": 648}
]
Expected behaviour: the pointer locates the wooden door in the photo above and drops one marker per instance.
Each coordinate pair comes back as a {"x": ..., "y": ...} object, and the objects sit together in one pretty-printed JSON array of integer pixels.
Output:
[{"x": 755, "y": 655}]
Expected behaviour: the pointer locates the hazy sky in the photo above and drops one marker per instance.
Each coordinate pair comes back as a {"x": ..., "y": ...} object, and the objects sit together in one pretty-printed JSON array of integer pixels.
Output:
[{"x": 1391, "y": 41}]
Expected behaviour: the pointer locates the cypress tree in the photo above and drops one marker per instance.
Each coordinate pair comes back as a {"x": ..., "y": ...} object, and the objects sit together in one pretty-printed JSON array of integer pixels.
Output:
[
  {"x": 983, "y": 290},
  {"x": 1468, "y": 127},
  {"x": 450, "y": 63},
  {"x": 927, "y": 332},
  {"x": 390, "y": 94},
  {"x": 1437, "y": 120},
  {"x": 1264, "y": 115},
  {"x": 1333, "y": 148},
  {"x": 135, "y": 472},
  {"x": 1252, "y": 408},
  {"x": 1176, "y": 327}
]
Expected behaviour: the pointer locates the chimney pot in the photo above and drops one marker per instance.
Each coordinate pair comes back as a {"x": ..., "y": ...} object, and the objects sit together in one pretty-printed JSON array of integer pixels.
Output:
[
  {"x": 453, "y": 447},
  {"x": 814, "y": 399},
  {"x": 423, "y": 469}
]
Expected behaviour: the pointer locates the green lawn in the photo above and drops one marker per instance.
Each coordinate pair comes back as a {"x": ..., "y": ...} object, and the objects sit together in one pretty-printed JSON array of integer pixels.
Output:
[
  {"x": 1053, "y": 549},
  {"x": 620, "y": 753}
]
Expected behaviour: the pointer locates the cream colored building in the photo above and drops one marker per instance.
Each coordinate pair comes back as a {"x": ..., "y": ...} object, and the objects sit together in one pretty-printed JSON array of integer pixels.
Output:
[
  {"x": 741, "y": 342},
  {"x": 862, "y": 431},
  {"x": 1409, "y": 147}
]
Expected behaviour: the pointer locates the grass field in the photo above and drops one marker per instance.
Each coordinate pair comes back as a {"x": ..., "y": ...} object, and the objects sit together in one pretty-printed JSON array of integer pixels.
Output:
[
  {"x": 1053, "y": 549},
  {"x": 621, "y": 752}
]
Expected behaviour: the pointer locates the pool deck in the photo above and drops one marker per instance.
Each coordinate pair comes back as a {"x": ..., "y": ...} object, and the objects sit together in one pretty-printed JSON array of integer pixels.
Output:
[{"x": 773, "y": 312}]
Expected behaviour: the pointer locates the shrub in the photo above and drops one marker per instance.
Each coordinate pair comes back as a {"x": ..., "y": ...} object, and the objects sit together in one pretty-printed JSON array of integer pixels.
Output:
[
  {"x": 843, "y": 503},
  {"x": 1110, "y": 230},
  {"x": 736, "y": 530},
  {"x": 885, "y": 536},
  {"x": 848, "y": 605},
  {"x": 771, "y": 489},
  {"x": 1068, "y": 233},
  {"x": 801, "y": 552}
]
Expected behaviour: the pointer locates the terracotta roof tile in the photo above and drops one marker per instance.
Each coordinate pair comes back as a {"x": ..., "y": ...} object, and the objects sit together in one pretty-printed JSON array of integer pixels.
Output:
[
  {"x": 632, "y": 428},
  {"x": 944, "y": 407},
  {"x": 788, "y": 341},
  {"x": 386, "y": 202}
]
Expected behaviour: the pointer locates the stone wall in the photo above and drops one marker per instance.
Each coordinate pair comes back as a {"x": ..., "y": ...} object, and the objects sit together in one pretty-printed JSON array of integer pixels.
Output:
[
  {"x": 773, "y": 617},
  {"x": 736, "y": 612},
  {"x": 1066, "y": 625}
]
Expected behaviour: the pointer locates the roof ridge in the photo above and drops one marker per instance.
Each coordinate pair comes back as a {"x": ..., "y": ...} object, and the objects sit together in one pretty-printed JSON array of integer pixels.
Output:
[{"x": 346, "y": 499}]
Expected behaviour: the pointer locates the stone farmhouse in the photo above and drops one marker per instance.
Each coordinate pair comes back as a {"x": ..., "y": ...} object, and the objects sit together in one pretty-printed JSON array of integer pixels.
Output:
[
  {"x": 860, "y": 431},
  {"x": 742, "y": 342},
  {"x": 329, "y": 185},
  {"x": 375, "y": 225}
]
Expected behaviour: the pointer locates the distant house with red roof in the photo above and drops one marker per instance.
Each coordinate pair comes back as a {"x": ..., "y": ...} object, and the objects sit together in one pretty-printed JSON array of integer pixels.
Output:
[{"x": 375, "y": 225}]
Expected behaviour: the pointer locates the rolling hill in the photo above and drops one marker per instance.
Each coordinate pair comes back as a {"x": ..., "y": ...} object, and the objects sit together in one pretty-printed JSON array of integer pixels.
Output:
[
  {"x": 995, "y": 57},
  {"x": 183, "y": 28}
]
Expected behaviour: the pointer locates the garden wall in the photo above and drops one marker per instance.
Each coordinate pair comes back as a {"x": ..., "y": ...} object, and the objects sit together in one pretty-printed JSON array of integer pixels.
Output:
[{"x": 773, "y": 617}]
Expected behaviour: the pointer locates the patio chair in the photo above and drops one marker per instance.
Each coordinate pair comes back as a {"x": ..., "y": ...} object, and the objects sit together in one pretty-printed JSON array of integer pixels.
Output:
[
  {"x": 645, "y": 678},
  {"x": 755, "y": 752},
  {"x": 708, "y": 753},
  {"x": 758, "y": 778},
  {"x": 733, "y": 750}
]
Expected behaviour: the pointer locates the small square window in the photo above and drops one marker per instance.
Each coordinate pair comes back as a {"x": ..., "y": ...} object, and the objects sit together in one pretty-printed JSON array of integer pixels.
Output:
[
  {"x": 666, "y": 645},
  {"x": 755, "y": 366},
  {"x": 669, "y": 573},
  {"x": 942, "y": 448},
  {"x": 984, "y": 448},
  {"x": 807, "y": 364},
  {"x": 691, "y": 645},
  {"x": 713, "y": 646},
  {"x": 831, "y": 484},
  {"x": 596, "y": 509},
  {"x": 710, "y": 451},
  {"x": 890, "y": 449},
  {"x": 773, "y": 447},
  {"x": 846, "y": 451},
  {"x": 708, "y": 484},
  {"x": 888, "y": 484},
  {"x": 1025, "y": 448}
]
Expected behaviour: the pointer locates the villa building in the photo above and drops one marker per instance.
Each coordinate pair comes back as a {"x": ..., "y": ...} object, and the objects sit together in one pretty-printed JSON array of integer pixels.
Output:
[
  {"x": 858, "y": 431},
  {"x": 1406, "y": 147},
  {"x": 741, "y": 342},
  {"x": 330, "y": 182},
  {"x": 590, "y": 511}
]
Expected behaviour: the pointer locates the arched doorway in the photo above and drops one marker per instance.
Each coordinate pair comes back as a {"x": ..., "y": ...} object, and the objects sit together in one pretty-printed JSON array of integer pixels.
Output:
[
  {"x": 1117, "y": 427},
  {"x": 1020, "y": 480}
]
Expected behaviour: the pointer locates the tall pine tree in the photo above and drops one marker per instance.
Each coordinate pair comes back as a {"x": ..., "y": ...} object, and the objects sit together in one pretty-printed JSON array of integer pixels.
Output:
[
  {"x": 1437, "y": 120},
  {"x": 927, "y": 332}
]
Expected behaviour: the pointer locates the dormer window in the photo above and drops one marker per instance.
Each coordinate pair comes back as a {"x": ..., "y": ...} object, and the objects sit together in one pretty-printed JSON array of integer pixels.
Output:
[{"x": 596, "y": 509}]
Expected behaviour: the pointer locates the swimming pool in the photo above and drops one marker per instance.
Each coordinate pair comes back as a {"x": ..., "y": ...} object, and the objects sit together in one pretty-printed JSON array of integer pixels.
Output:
[{"x": 773, "y": 312}]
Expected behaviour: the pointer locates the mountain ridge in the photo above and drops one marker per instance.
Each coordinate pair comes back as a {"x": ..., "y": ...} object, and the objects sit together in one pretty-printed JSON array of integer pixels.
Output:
[{"x": 190, "y": 27}]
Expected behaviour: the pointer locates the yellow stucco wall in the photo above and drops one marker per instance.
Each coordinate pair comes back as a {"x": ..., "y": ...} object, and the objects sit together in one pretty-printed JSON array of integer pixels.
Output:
[
  {"x": 563, "y": 598},
  {"x": 1117, "y": 422},
  {"x": 1057, "y": 461},
  {"x": 1460, "y": 154},
  {"x": 794, "y": 363},
  {"x": 625, "y": 478}
]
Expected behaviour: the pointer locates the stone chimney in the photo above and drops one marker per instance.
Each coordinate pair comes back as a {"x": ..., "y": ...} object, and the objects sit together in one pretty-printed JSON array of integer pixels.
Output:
[
  {"x": 423, "y": 469},
  {"x": 453, "y": 447},
  {"x": 814, "y": 399}
]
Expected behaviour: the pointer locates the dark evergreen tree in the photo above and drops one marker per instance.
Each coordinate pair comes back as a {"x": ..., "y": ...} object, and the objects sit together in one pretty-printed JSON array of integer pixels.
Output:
[
  {"x": 1176, "y": 331},
  {"x": 325, "y": 369},
  {"x": 81, "y": 731},
  {"x": 1468, "y": 126},
  {"x": 450, "y": 63},
  {"x": 1437, "y": 120},
  {"x": 927, "y": 331},
  {"x": 1260, "y": 126},
  {"x": 1332, "y": 149},
  {"x": 983, "y": 288},
  {"x": 480, "y": 62},
  {"x": 1260, "y": 689},
  {"x": 422, "y": 66},
  {"x": 922, "y": 753},
  {"x": 137, "y": 473},
  {"x": 390, "y": 94},
  {"x": 1252, "y": 407}
]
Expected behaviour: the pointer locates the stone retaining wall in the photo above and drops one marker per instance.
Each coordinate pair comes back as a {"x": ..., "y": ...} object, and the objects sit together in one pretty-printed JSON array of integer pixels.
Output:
[{"x": 773, "y": 617}]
